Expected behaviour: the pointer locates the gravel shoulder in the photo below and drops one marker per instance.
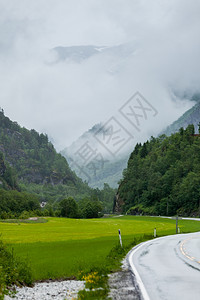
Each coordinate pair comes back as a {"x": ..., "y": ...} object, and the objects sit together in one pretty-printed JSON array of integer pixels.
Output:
[
  {"x": 122, "y": 284},
  {"x": 57, "y": 290}
]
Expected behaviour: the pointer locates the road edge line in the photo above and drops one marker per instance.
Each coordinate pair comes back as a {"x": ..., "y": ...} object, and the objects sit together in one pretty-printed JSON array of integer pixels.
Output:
[{"x": 138, "y": 278}]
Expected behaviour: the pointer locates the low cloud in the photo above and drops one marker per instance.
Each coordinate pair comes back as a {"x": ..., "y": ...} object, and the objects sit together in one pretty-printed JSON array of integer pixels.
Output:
[{"x": 66, "y": 98}]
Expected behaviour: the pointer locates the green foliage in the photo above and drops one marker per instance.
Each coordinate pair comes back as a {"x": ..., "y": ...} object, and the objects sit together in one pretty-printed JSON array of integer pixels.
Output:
[
  {"x": 69, "y": 208},
  {"x": 12, "y": 271},
  {"x": 96, "y": 279},
  {"x": 40, "y": 169},
  {"x": 163, "y": 176},
  {"x": 43, "y": 173},
  {"x": 8, "y": 178},
  {"x": 93, "y": 295},
  {"x": 106, "y": 197},
  {"x": 90, "y": 208},
  {"x": 86, "y": 208},
  {"x": 14, "y": 203}
]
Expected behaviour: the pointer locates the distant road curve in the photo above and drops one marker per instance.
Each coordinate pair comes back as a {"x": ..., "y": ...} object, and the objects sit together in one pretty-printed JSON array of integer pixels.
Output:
[
  {"x": 168, "y": 268},
  {"x": 180, "y": 218}
]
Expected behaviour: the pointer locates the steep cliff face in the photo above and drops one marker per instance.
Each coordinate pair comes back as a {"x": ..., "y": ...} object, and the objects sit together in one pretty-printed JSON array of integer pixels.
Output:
[{"x": 118, "y": 205}]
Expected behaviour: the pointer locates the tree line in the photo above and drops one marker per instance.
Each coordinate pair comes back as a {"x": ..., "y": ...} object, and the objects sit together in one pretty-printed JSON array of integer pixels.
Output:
[{"x": 163, "y": 176}]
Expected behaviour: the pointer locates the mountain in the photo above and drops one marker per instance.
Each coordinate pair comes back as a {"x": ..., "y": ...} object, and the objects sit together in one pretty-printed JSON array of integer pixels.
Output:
[
  {"x": 39, "y": 168},
  {"x": 163, "y": 176},
  {"x": 82, "y": 154},
  {"x": 80, "y": 53},
  {"x": 90, "y": 160},
  {"x": 76, "y": 53},
  {"x": 192, "y": 116}
]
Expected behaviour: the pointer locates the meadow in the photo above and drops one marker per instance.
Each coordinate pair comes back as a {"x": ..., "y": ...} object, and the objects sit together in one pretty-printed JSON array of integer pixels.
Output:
[{"x": 61, "y": 248}]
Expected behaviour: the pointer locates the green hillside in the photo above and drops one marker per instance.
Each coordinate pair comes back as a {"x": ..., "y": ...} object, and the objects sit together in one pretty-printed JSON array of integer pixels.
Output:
[
  {"x": 39, "y": 168},
  {"x": 163, "y": 176},
  {"x": 8, "y": 178}
]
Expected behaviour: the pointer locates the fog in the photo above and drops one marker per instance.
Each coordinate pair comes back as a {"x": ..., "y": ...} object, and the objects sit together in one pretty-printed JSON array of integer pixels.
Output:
[{"x": 65, "y": 98}]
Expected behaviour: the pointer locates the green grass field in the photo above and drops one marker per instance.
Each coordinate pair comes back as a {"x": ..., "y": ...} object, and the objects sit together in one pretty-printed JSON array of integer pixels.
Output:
[{"x": 63, "y": 247}]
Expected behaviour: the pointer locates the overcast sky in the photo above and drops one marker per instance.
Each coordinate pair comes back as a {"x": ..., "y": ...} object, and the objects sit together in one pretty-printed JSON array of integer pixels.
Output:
[{"x": 65, "y": 99}]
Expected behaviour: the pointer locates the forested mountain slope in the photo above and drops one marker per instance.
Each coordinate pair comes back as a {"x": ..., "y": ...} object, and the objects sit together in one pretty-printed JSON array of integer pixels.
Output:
[
  {"x": 39, "y": 168},
  {"x": 163, "y": 176},
  {"x": 8, "y": 178}
]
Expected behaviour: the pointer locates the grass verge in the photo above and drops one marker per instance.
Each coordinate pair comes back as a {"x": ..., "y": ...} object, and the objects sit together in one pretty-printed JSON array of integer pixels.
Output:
[{"x": 97, "y": 279}]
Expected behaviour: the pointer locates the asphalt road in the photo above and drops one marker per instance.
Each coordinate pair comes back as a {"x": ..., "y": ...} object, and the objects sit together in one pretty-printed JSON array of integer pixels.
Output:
[{"x": 168, "y": 268}]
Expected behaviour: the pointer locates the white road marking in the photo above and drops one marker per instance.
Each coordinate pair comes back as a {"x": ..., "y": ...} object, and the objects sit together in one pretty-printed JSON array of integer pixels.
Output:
[{"x": 138, "y": 278}]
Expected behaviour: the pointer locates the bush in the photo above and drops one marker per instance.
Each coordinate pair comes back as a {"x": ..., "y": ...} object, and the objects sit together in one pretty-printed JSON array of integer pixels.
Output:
[
  {"x": 24, "y": 215},
  {"x": 12, "y": 271},
  {"x": 69, "y": 208},
  {"x": 89, "y": 209}
]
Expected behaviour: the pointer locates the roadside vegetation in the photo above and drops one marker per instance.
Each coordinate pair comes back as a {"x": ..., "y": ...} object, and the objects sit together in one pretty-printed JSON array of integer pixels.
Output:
[
  {"x": 13, "y": 271},
  {"x": 96, "y": 281}
]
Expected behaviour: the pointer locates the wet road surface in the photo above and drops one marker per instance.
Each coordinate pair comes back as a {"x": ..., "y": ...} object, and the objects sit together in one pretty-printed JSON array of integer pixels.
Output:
[{"x": 168, "y": 268}]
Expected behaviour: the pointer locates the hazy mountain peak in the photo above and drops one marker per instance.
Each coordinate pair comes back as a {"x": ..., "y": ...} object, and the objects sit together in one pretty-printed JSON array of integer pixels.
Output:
[
  {"x": 83, "y": 52},
  {"x": 76, "y": 53}
]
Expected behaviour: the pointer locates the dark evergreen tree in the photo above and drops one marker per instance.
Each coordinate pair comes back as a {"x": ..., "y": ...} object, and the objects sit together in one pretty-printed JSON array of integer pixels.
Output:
[{"x": 163, "y": 177}]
